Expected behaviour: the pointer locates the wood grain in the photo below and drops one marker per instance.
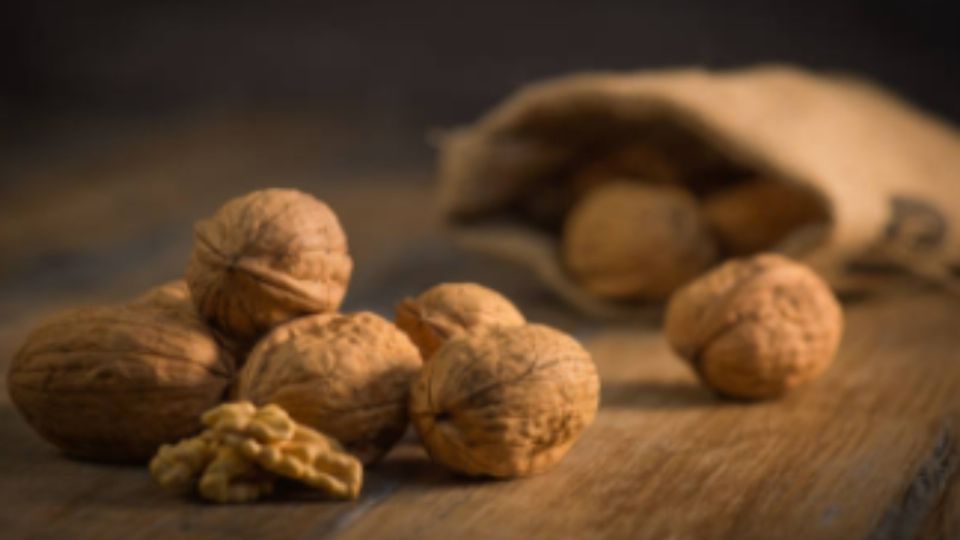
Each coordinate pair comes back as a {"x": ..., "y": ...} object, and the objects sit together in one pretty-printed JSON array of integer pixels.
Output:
[{"x": 868, "y": 451}]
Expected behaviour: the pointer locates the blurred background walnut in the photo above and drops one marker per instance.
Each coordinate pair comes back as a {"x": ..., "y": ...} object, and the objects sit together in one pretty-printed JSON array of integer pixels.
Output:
[
  {"x": 634, "y": 241},
  {"x": 265, "y": 258},
  {"x": 756, "y": 215},
  {"x": 347, "y": 376},
  {"x": 114, "y": 383},
  {"x": 451, "y": 309},
  {"x": 756, "y": 327},
  {"x": 505, "y": 401}
]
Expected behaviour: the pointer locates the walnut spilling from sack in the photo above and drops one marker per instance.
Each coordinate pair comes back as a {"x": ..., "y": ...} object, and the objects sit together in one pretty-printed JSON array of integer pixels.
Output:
[
  {"x": 244, "y": 450},
  {"x": 757, "y": 327},
  {"x": 628, "y": 240}
]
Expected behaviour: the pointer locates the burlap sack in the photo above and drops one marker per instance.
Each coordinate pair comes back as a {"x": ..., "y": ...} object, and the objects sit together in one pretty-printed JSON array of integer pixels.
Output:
[{"x": 888, "y": 174}]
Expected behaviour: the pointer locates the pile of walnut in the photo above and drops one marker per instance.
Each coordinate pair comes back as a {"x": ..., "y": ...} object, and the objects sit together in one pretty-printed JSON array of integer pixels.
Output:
[
  {"x": 631, "y": 230},
  {"x": 256, "y": 320}
]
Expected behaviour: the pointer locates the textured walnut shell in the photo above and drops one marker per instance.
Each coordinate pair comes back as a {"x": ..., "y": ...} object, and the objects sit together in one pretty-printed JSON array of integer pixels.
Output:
[
  {"x": 505, "y": 401},
  {"x": 451, "y": 309},
  {"x": 171, "y": 294},
  {"x": 175, "y": 296},
  {"x": 114, "y": 383},
  {"x": 756, "y": 327},
  {"x": 635, "y": 241},
  {"x": 759, "y": 214},
  {"x": 266, "y": 258},
  {"x": 347, "y": 376}
]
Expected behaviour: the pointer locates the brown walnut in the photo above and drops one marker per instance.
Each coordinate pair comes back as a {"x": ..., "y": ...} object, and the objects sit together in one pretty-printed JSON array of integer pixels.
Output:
[
  {"x": 756, "y": 327},
  {"x": 758, "y": 214},
  {"x": 635, "y": 241},
  {"x": 451, "y": 309},
  {"x": 175, "y": 296},
  {"x": 505, "y": 401},
  {"x": 347, "y": 376},
  {"x": 114, "y": 383},
  {"x": 265, "y": 258},
  {"x": 172, "y": 294}
]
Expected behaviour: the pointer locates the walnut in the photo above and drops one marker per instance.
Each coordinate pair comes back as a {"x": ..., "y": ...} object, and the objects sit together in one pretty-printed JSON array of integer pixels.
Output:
[
  {"x": 311, "y": 458},
  {"x": 231, "y": 478},
  {"x": 244, "y": 450},
  {"x": 114, "y": 383},
  {"x": 347, "y": 376},
  {"x": 449, "y": 310},
  {"x": 505, "y": 401},
  {"x": 758, "y": 214},
  {"x": 266, "y": 258},
  {"x": 634, "y": 241},
  {"x": 175, "y": 296},
  {"x": 756, "y": 327},
  {"x": 177, "y": 467},
  {"x": 172, "y": 294}
]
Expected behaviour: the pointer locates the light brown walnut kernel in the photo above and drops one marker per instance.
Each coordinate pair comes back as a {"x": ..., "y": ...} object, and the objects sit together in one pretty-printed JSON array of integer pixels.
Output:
[
  {"x": 244, "y": 449},
  {"x": 114, "y": 383},
  {"x": 347, "y": 376},
  {"x": 266, "y": 258},
  {"x": 178, "y": 467},
  {"x": 451, "y": 309},
  {"x": 759, "y": 214},
  {"x": 756, "y": 327},
  {"x": 634, "y": 241},
  {"x": 505, "y": 401},
  {"x": 232, "y": 478},
  {"x": 310, "y": 458}
]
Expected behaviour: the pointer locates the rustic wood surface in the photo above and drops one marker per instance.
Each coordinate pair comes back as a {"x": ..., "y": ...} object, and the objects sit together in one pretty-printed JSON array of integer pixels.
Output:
[{"x": 868, "y": 451}]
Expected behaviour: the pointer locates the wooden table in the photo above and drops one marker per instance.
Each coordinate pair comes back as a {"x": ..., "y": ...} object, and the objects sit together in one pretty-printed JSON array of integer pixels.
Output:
[{"x": 868, "y": 451}]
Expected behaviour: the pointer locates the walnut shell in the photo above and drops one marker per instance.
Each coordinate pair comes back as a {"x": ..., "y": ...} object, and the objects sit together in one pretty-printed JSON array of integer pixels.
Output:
[
  {"x": 635, "y": 241},
  {"x": 114, "y": 383},
  {"x": 505, "y": 401},
  {"x": 759, "y": 214},
  {"x": 265, "y": 258},
  {"x": 171, "y": 294},
  {"x": 347, "y": 376},
  {"x": 175, "y": 296},
  {"x": 756, "y": 327},
  {"x": 451, "y": 309}
]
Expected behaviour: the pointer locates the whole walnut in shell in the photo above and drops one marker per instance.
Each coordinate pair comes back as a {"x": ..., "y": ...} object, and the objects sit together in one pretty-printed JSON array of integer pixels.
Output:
[
  {"x": 756, "y": 327},
  {"x": 505, "y": 401},
  {"x": 635, "y": 241},
  {"x": 114, "y": 383},
  {"x": 266, "y": 258},
  {"x": 451, "y": 309},
  {"x": 172, "y": 294},
  {"x": 175, "y": 296},
  {"x": 347, "y": 376},
  {"x": 759, "y": 214}
]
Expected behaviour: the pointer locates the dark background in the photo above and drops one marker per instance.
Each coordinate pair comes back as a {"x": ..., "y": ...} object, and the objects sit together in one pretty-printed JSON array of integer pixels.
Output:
[{"x": 396, "y": 69}]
